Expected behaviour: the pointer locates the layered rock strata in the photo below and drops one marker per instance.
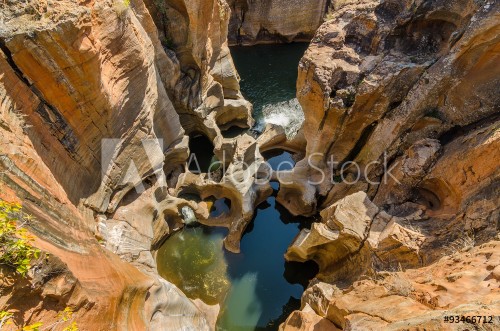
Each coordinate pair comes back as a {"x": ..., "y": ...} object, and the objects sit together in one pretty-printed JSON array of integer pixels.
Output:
[
  {"x": 387, "y": 103},
  {"x": 419, "y": 298},
  {"x": 96, "y": 108},
  {"x": 205, "y": 87},
  {"x": 401, "y": 122},
  {"x": 404, "y": 93}
]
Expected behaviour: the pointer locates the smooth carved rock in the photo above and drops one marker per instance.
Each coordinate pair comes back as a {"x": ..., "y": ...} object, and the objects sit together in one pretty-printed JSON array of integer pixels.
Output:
[
  {"x": 308, "y": 242},
  {"x": 206, "y": 93},
  {"x": 414, "y": 298},
  {"x": 243, "y": 183},
  {"x": 234, "y": 113},
  {"x": 372, "y": 83},
  {"x": 340, "y": 237},
  {"x": 74, "y": 74},
  {"x": 353, "y": 232},
  {"x": 406, "y": 90}
]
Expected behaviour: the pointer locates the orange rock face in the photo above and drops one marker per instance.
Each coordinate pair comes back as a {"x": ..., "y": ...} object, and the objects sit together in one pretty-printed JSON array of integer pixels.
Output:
[
  {"x": 408, "y": 90},
  {"x": 463, "y": 284},
  {"x": 254, "y": 22},
  {"x": 376, "y": 81},
  {"x": 403, "y": 92},
  {"x": 73, "y": 74}
]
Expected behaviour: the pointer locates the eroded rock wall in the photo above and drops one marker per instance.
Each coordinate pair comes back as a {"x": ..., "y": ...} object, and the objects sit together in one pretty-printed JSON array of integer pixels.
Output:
[
  {"x": 95, "y": 108},
  {"x": 208, "y": 100},
  {"x": 382, "y": 79},
  {"x": 207, "y": 93},
  {"x": 271, "y": 21},
  {"x": 413, "y": 299},
  {"x": 401, "y": 121}
]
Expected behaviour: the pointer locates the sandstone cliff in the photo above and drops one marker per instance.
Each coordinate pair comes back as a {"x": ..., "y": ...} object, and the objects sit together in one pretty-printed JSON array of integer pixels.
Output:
[
  {"x": 271, "y": 21},
  {"x": 399, "y": 85},
  {"x": 96, "y": 106},
  {"x": 401, "y": 103},
  {"x": 406, "y": 93},
  {"x": 412, "y": 300}
]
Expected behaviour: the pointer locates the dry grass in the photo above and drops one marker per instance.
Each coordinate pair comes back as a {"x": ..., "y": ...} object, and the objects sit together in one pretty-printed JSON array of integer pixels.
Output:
[
  {"x": 410, "y": 226},
  {"x": 121, "y": 7},
  {"x": 463, "y": 243}
]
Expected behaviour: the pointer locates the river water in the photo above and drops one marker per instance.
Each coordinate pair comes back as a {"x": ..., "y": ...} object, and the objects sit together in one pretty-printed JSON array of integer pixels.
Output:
[
  {"x": 256, "y": 289},
  {"x": 268, "y": 79}
]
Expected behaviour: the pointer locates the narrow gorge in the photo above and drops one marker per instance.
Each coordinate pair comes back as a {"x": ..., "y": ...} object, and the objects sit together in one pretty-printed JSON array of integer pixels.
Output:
[{"x": 249, "y": 165}]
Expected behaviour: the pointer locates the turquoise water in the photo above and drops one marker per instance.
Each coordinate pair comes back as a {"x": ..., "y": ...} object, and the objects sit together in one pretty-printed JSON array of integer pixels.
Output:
[
  {"x": 265, "y": 289},
  {"x": 256, "y": 288}
]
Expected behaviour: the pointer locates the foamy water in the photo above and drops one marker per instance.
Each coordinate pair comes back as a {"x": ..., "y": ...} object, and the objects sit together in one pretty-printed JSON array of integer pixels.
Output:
[{"x": 287, "y": 114}]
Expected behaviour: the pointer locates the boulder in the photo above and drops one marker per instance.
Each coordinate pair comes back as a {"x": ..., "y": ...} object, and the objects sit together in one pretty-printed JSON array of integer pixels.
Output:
[
  {"x": 306, "y": 321},
  {"x": 413, "y": 298},
  {"x": 399, "y": 246}
]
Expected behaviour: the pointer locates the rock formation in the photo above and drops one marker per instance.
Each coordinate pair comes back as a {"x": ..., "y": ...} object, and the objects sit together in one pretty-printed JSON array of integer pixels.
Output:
[
  {"x": 205, "y": 86},
  {"x": 401, "y": 103},
  {"x": 271, "y": 21},
  {"x": 400, "y": 151},
  {"x": 353, "y": 237},
  {"x": 97, "y": 103},
  {"x": 378, "y": 81},
  {"x": 418, "y": 298}
]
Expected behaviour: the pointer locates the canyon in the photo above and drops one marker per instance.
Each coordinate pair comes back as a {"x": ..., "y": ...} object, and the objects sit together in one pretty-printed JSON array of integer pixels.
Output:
[{"x": 397, "y": 158}]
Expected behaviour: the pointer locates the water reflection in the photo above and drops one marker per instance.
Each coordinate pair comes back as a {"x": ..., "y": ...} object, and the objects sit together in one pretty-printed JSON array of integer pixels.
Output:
[
  {"x": 257, "y": 289},
  {"x": 279, "y": 160},
  {"x": 220, "y": 207}
]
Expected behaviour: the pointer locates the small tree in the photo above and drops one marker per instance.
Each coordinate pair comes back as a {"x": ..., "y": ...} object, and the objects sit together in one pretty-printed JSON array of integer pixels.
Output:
[
  {"x": 16, "y": 251},
  {"x": 16, "y": 248},
  {"x": 64, "y": 318}
]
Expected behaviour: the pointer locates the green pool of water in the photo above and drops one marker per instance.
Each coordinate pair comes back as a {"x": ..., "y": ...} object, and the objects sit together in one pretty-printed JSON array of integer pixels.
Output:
[{"x": 193, "y": 260}]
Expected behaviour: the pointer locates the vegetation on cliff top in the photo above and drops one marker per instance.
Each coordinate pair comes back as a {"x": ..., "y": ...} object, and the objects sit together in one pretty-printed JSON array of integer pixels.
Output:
[
  {"x": 64, "y": 317},
  {"x": 16, "y": 248},
  {"x": 17, "y": 251}
]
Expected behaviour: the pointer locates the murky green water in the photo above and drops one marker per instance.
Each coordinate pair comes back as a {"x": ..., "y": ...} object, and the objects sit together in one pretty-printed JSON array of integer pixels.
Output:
[
  {"x": 193, "y": 260},
  {"x": 257, "y": 289}
]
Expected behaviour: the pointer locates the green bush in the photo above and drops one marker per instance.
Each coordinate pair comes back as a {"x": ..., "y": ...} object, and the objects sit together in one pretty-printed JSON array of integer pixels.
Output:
[
  {"x": 64, "y": 318},
  {"x": 16, "y": 248}
]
